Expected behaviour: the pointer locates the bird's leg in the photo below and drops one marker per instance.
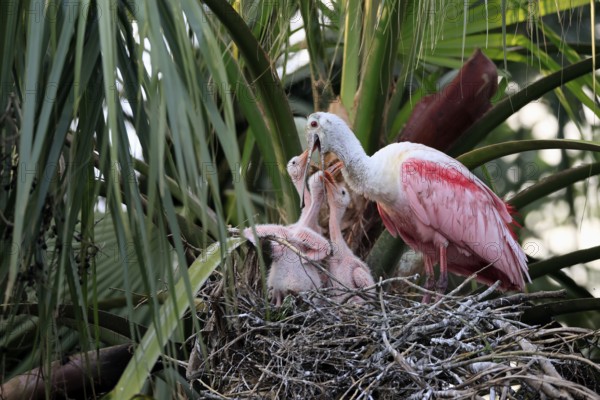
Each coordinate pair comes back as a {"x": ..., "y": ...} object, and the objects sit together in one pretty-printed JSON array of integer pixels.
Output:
[
  {"x": 442, "y": 284},
  {"x": 429, "y": 278},
  {"x": 277, "y": 298}
]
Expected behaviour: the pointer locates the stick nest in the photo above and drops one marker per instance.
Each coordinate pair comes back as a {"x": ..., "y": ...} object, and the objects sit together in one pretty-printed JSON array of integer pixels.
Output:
[{"x": 391, "y": 346}]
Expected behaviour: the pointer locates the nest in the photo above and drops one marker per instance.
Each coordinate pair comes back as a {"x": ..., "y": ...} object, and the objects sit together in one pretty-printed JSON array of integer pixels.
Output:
[{"x": 390, "y": 346}]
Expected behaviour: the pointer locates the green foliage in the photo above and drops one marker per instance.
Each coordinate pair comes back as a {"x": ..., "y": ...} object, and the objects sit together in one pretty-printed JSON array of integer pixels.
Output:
[{"x": 133, "y": 133}]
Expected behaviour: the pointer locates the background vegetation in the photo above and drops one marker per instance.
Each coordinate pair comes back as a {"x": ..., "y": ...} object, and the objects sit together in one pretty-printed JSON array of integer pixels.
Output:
[{"x": 134, "y": 133}]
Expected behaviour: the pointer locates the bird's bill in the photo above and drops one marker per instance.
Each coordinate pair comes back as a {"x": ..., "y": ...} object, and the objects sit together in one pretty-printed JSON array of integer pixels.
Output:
[
  {"x": 313, "y": 144},
  {"x": 304, "y": 158},
  {"x": 331, "y": 188},
  {"x": 304, "y": 164},
  {"x": 328, "y": 177},
  {"x": 329, "y": 180},
  {"x": 335, "y": 168}
]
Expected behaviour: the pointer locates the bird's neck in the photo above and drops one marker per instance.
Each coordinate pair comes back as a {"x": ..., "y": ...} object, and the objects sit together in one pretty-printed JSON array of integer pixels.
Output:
[
  {"x": 357, "y": 171},
  {"x": 309, "y": 217},
  {"x": 335, "y": 231}
]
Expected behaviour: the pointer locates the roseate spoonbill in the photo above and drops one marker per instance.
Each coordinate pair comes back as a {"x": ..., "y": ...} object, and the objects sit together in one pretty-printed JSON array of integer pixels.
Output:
[
  {"x": 303, "y": 233},
  {"x": 295, "y": 169},
  {"x": 291, "y": 272},
  {"x": 309, "y": 216},
  {"x": 432, "y": 201},
  {"x": 347, "y": 270}
]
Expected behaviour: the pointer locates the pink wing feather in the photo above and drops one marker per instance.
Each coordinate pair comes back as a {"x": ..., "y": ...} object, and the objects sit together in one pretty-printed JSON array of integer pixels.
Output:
[
  {"x": 388, "y": 221},
  {"x": 452, "y": 205},
  {"x": 314, "y": 246},
  {"x": 266, "y": 230}
]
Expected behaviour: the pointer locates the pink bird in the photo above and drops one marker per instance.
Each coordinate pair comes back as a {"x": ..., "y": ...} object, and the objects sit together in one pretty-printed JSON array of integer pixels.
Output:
[
  {"x": 290, "y": 272},
  {"x": 309, "y": 216},
  {"x": 434, "y": 203},
  {"x": 347, "y": 270},
  {"x": 295, "y": 169}
]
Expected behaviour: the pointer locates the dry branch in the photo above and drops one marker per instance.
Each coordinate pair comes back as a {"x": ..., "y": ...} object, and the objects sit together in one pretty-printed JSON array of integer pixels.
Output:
[{"x": 390, "y": 347}]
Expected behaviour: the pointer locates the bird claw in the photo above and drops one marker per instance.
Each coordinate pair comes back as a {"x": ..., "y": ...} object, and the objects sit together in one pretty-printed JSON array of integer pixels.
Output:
[
  {"x": 426, "y": 298},
  {"x": 442, "y": 284},
  {"x": 328, "y": 177},
  {"x": 429, "y": 285}
]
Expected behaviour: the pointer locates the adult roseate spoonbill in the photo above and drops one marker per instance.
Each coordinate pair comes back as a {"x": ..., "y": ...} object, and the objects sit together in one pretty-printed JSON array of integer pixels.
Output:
[
  {"x": 347, "y": 270},
  {"x": 291, "y": 272},
  {"x": 432, "y": 201}
]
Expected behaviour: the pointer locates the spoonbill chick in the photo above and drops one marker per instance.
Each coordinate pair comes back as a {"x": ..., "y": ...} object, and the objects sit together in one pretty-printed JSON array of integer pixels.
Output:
[{"x": 346, "y": 269}]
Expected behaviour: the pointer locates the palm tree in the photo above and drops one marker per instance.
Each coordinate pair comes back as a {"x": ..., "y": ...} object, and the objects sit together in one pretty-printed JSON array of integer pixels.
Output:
[{"x": 134, "y": 133}]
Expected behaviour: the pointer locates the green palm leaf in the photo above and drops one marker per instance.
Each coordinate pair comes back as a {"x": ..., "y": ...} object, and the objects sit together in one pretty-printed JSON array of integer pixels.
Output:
[
  {"x": 151, "y": 345},
  {"x": 133, "y": 132}
]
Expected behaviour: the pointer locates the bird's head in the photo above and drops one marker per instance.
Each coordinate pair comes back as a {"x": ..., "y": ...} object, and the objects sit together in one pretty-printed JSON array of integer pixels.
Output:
[
  {"x": 315, "y": 184},
  {"x": 324, "y": 132},
  {"x": 337, "y": 193},
  {"x": 297, "y": 164}
]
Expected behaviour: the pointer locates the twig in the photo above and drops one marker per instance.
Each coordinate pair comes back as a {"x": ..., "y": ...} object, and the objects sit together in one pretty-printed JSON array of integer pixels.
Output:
[
  {"x": 390, "y": 347},
  {"x": 546, "y": 365},
  {"x": 397, "y": 356}
]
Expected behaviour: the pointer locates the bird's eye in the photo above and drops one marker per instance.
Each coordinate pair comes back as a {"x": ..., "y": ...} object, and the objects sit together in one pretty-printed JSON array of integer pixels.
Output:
[
  {"x": 343, "y": 192},
  {"x": 314, "y": 124}
]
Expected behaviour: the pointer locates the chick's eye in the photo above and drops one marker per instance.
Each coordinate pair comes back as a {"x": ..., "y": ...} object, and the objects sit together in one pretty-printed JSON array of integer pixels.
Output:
[
  {"x": 314, "y": 124},
  {"x": 343, "y": 192}
]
